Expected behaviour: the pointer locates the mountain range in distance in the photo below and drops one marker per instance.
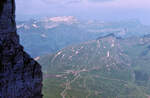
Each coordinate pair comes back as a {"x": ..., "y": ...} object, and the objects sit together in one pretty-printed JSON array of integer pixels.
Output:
[
  {"x": 55, "y": 33},
  {"x": 89, "y": 59}
]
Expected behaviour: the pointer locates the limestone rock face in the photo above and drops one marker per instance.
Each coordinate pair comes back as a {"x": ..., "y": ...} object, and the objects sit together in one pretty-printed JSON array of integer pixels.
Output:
[{"x": 20, "y": 75}]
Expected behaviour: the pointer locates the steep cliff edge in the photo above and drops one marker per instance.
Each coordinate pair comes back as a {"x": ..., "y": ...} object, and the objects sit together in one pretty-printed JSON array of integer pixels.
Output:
[{"x": 20, "y": 75}]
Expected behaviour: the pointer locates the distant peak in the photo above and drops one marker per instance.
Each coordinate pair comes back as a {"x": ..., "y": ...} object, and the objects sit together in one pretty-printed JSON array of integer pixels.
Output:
[{"x": 66, "y": 19}]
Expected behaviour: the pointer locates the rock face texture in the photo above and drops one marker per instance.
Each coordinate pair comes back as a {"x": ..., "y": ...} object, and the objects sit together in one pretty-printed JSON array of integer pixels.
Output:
[{"x": 20, "y": 75}]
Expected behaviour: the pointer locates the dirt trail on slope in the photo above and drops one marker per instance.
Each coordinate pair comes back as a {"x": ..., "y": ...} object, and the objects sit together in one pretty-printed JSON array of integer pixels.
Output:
[{"x": 68, "y": 83}]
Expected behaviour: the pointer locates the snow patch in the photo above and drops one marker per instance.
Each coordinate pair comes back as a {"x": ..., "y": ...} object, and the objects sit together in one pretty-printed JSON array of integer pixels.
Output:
[
  {"x": 77, "y": 52},
  {"x": 108, "y": 54},
  {"x": 56, "y": 56},
  {"x": 20, "y": 26},
  {"x": 35, "y": 26},
  {"x": 113, "y": 43},
  {"x": 50, "y": 26},
  {"x": 37, "y": 58},
  {"x": 43, "y": 35}
]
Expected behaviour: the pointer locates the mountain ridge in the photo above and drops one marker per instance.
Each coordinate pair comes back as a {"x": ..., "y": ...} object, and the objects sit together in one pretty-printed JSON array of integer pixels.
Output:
[
  {"x": 110, "y": 66},
  {"x": 57, "y": 35}
]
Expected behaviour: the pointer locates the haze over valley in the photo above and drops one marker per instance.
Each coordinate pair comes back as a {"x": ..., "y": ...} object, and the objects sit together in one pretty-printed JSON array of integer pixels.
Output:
[{"x": 88, "y": 48}]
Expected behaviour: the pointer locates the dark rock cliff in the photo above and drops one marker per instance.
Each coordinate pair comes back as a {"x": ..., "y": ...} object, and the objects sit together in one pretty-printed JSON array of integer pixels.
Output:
[{"x": 20, "y": 75}]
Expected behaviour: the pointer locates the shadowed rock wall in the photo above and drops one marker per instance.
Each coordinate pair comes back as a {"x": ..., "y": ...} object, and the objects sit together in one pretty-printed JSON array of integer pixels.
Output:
[{"x": 20, "y": 75}]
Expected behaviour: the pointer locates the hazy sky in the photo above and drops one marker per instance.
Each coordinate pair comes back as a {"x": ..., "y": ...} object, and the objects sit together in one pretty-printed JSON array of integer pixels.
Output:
[{"x": 86, "y": 9}]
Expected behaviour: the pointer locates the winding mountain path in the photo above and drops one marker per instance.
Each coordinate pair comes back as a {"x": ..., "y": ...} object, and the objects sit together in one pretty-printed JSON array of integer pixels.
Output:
[{"x": 68, "y": 83}]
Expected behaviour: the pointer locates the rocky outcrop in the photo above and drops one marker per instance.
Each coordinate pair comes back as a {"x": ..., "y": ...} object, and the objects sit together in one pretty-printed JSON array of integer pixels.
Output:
[{"x": 20, "y": 75}]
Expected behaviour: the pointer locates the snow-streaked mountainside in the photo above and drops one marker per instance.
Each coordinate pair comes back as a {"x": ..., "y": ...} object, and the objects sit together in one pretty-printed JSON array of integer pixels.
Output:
[
  {"x": 109, "y": 67},
  {"x": 55, "y": 33},
  {"x": 89, "y": 59}
]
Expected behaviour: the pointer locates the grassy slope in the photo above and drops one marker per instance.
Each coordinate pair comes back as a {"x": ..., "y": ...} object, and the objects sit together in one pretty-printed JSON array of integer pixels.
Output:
[{"x": 95, "y": 73}]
